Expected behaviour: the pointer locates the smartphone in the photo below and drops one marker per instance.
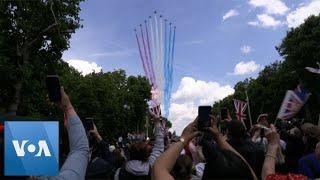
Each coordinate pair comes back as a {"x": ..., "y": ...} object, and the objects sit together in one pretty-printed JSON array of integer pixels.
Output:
[
  {"x": 204, "y": 119},
  {"x": 88, "y": 124},
  {"x": 54, "y": 88},
  {"x": 224, "y": 113}
]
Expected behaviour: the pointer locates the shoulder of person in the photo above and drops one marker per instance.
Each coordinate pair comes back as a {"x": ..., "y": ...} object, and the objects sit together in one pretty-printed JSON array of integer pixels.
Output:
[{"x": 308, "y": 157}]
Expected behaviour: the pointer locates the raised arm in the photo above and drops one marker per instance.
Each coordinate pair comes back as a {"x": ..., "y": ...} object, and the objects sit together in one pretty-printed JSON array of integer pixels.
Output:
[
  {"x": 158, "y": 147},
  {"x": 218, "y": 137},
  {"x": 74, "y": 168},
  {"x": 271, "y": 155},
  {"x": 166, "y": 161},
  {"x": 223, "y": 144}
]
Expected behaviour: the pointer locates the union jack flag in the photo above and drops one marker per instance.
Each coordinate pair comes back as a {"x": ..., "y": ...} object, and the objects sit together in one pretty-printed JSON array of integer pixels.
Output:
[
  {"x": 240, "y": 107},
  {"x": 156, "y": 110}
]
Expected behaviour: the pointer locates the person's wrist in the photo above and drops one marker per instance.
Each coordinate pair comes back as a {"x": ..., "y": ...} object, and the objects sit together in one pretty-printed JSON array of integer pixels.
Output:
[
  {"x": 67, "y": 108},
  {"x": 274, "y": 157},
  {"x": 184, "y": 140},
  {"x": 98, "y": 137},
  {"x": 272, "y": 148}
]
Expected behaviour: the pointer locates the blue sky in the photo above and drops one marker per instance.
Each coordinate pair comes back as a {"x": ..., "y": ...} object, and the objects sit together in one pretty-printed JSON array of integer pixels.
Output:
[{"x": 208, "y": 46}]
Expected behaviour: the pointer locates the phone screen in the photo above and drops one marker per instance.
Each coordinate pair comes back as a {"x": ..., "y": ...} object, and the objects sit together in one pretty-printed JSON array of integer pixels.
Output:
[
  {"x": 204, "y": 120},
  {"x": 54, "y": 89},
  {"x": 224, "y": 113}
]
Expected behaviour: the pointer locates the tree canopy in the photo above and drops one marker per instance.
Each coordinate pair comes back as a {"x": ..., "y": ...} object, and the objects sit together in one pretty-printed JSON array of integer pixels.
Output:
[
  {"x": 33, "y": 37},
  {"x": 299, "y": 49}
]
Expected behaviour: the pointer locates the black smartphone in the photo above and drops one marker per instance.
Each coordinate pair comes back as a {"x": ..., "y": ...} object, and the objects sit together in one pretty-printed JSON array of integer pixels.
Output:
[
  {"x": 88, "y": 124},
  {"x": 204, "y": 119},
  {"x": 54, "y": 88},
  {"x": 224, "y": 113}
]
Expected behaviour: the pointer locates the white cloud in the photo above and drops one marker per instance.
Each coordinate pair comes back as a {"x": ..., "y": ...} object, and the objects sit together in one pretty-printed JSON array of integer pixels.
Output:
[
  {"x": 85, "y": 67},
  {"x": 265, "y": 21},
  {"x": 243, "y": 68},
  {"x": 190, "y": 94},
  {"x": 297, "y": 17},
  {"x": 245, "y": 49},
  {"x": 270, "y": 6},
  {"x": 253, "y": 23},
  {"x": 229, "y": 14}
]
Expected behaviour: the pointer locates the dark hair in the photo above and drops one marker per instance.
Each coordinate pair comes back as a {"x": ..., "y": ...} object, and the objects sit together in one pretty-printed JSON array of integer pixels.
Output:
[
  {"x": 118, "y": 159},
  {"x": 224, "y": 164},
  {"x": 140, "y": 151},
  {"x": 236, "y": 129},
  {"x": 310, "y": 145},
  {"x": 182, "y": 168}
]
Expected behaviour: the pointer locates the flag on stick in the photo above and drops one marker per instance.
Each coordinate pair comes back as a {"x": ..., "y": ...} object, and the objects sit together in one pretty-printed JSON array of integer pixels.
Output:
[
  {"x": 240, "y": 107},
  {"x": 293, "y": 102}
]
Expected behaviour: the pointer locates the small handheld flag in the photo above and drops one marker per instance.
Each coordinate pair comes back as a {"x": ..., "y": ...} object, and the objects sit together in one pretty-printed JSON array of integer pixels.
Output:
[{"x": 240, "y": 107}]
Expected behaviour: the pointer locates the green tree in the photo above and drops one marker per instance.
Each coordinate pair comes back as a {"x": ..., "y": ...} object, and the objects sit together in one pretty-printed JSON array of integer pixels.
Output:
[
  {"x": 301, "y": 48},
  {"x": 117, "y": 103},
  {"x": 33, "y": 35},
  {"x": 266, "y": 92}
]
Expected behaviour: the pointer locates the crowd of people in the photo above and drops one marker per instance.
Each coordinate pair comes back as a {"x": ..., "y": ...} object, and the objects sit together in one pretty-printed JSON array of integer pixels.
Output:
[{"x": 265, "y": 151}]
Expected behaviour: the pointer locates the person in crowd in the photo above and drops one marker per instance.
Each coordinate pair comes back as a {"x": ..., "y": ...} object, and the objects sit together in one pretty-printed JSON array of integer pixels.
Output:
[
  {"x": 77, "y": 160},
  {"x": 242, "y": 143},
  {"x": 119, "y": 142},
  {"x": 263, "y": 120},
  {"x": 100, "y": 146},
  {"x": 142, "y": 156},
  {"x": 183, "y": 168},
  {"x": 311, "y": 136},
  {"x": 105, "y": 159},
  {"x": 198, "y": 158},
  {"x": 222, "y": 162},
  {"x": 129, "y": 136},
  {"x": 269, "y": 164},
  {"x": 310, "y": 165},
  {"x": 196, "y": 152},
  {"x": 258, "y": 130},
  {"x": 294, "y": 149},
  {"x": 258, "y": 136}
]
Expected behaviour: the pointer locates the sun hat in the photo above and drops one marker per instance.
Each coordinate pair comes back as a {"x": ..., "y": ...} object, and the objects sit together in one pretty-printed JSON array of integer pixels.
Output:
[{"x": 260, "y": 116}]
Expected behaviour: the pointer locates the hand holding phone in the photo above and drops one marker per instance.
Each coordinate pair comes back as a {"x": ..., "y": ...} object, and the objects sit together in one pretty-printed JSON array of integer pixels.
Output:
[
  {"x": 88, "y": 124},
  {"x": 204, "y": 119},
  {"x": 54, "y": 88}
]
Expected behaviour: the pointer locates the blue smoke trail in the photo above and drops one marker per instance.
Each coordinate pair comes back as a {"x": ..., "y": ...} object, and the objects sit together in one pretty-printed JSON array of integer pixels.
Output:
[
  {"x": 171, "y": 67},
  {"x": 167, "y": 73}
]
